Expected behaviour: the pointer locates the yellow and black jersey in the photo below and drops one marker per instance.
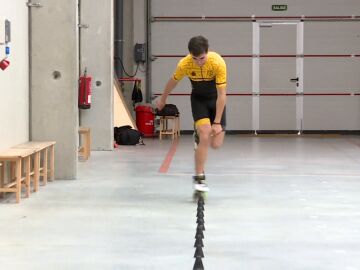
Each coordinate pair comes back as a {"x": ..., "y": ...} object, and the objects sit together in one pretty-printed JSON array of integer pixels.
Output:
[{"x": 205, "y": 79}]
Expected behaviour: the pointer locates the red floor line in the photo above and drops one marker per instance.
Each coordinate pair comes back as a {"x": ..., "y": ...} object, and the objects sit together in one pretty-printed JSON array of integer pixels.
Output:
[{"x": 167, "y": 161}]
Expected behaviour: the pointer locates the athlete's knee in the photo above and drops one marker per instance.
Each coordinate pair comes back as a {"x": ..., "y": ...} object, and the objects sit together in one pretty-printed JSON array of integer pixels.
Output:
[{"x": 204, "y": 132}]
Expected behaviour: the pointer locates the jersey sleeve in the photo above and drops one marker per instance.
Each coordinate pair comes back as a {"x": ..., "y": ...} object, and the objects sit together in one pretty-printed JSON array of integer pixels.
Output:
[
  {"x": 179, "y": 71},
  {"x": 221, "y": 73}
]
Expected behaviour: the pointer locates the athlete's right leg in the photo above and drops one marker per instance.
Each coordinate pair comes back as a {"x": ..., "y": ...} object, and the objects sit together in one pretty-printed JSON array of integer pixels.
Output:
[{"x": 203, "y": 128}]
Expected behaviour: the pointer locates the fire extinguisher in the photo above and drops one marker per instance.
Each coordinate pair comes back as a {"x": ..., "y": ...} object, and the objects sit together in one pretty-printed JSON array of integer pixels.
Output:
[{"x": 84, "y": 91}]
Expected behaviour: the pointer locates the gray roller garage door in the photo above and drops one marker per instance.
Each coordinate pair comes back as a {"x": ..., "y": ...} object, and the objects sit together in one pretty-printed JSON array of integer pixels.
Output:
[{"x": 287, "y": 71}]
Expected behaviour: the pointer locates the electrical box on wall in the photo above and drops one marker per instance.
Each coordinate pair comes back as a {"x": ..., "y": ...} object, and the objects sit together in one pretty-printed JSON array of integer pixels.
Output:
[{"x": 140, "y": 52}]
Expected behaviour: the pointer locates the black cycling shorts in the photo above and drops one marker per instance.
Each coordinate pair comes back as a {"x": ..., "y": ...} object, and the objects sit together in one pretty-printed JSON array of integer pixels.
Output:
[{"x": 206, "y": 108}]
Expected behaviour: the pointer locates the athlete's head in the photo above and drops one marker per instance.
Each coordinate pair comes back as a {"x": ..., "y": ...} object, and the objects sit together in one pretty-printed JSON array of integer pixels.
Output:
[{"x": 198, "y": 47}]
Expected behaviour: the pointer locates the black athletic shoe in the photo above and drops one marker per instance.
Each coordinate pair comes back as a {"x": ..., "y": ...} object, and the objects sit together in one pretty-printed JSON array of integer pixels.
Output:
[{"x": 200, "y": 183}]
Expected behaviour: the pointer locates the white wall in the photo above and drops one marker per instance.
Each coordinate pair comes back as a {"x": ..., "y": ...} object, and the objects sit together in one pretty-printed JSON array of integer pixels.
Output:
[
  {"x": 50, "y": 103},
  {"x": 14, "y": 81}
]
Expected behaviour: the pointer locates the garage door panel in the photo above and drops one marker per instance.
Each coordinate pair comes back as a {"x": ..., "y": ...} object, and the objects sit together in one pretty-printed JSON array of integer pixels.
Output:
[
  {"x": 338, "y": 38},
  {"x": 173, "y": 37},
  {"x": 203, "y": 7},
  {"x": 249, "y": 7},
  {"x": 332, "y": 113},
  {"x": 239, "y": 113},
  {"x": 239, "y": 75},
  {"x": 277, "y": 113},
  {"x": 331, "y": 75}
]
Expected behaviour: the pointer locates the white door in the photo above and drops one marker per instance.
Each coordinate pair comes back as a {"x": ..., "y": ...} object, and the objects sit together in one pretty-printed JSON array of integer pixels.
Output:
[{"x": 277, "y": 69}]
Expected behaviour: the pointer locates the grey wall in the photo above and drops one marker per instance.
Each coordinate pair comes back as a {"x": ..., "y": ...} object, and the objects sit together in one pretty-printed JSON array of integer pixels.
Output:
[
  {"x": 54, "y": 113},
  {"x": 14, "y": 81},
  {"x": 134, "y": 32},
  {"x": 97, "y": 56},
  {"x": 140, "y": 37},
  {"x": 128, "y": 47}
]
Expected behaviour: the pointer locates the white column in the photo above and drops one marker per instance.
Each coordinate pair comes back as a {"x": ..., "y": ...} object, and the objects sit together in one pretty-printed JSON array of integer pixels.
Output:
[
  {"x": 300, "y": 75},
  {"x": 255, "y": 76}
]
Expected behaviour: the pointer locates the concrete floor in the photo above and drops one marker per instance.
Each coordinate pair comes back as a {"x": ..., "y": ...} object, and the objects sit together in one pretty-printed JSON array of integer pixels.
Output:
[{"x": 275, "y": 203}]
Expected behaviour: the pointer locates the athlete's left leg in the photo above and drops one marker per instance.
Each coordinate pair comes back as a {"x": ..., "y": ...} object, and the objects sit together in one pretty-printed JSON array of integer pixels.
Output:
[{"x": 218, "y": 139}]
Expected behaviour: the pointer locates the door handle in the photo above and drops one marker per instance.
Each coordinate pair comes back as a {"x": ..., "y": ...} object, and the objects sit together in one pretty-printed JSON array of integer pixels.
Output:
[{"x": 294, "y": 79}]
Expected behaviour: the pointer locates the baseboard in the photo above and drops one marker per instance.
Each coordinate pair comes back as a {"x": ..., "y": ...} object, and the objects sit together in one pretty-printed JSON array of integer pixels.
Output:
[{"x": 291, "y": 132}]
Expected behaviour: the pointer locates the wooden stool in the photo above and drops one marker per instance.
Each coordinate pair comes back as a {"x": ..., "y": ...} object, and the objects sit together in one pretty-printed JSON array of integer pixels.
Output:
[
  {"x": 84, "y": 149},
  {"x": 178, "y": 125},
  {"x": 15, "y": 157},
  {"x": 165, "y": 128},
  {"x": 47, "y": 166}
]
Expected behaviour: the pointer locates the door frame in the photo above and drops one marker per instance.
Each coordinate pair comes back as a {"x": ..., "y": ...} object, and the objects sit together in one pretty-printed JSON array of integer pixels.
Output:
[{"x": 256, "y": 71}]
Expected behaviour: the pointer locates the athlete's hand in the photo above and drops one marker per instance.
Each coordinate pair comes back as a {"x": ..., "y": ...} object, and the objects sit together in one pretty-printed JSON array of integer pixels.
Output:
[
  {"x": 160, "y": 104},
  {"x": 216, "y": 129}
]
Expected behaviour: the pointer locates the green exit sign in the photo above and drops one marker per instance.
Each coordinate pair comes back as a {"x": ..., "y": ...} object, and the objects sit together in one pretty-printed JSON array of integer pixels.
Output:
[{"x": 279, "y": 7}]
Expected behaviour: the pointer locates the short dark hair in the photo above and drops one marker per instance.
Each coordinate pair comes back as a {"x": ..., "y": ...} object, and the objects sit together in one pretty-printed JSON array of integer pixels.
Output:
[{"x": 198, "y": 45}]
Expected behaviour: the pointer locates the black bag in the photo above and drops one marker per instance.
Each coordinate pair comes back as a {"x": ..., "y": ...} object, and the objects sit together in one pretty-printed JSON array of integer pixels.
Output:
[
  {"x": 136, "y": 93},
  {"x": 126, "y": 135},
  {"x": 168, "y": 110}
]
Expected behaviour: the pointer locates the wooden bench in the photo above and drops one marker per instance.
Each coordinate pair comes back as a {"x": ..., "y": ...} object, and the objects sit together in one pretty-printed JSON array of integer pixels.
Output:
[
  {"x": 166, "y": 129},
  {"x": 15, "y": 158},
  {"x": 85, "y": 138},
  {"x": 43, "y": 162}
]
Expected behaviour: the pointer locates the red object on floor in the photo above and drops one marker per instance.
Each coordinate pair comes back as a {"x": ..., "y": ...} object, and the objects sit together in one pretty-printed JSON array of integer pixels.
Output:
[{"x": 145, "y": 118}]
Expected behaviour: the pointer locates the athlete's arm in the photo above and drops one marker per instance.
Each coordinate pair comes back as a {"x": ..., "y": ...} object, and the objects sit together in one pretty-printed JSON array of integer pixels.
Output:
[
  {"x": 220, "y": 103},
  {"x": 170, "y": 85},
  {"x": 221, "y": 91}
]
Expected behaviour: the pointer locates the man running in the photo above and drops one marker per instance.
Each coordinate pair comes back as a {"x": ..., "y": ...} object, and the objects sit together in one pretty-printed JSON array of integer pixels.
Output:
[{"x": 207, "y": 73}]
